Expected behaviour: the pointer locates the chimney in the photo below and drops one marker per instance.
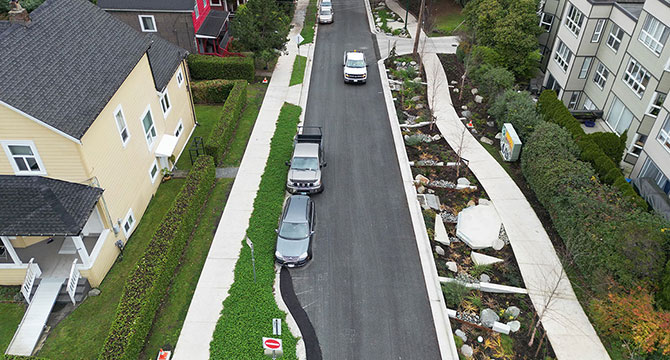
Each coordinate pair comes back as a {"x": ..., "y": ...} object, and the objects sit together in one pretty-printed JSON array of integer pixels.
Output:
[{"x": 17, "y": 14}]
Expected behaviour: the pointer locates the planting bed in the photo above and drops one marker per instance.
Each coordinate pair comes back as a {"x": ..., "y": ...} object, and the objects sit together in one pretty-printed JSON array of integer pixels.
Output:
[{"x": 387, "y": 21}]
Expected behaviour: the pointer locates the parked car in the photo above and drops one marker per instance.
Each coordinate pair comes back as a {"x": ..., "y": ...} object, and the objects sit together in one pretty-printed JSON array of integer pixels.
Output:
[
  {"x": 304, "y": 174},
  {"x": 325, "y": 4},
  {"x": 325, "y": 15},
  {"x": 355, "y": 67},
  {"x": 295, "y": 231}
]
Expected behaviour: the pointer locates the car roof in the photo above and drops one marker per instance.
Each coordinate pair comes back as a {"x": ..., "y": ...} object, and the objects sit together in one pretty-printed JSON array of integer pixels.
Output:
[
  {"x": 354, "y": 55},
  {"x": 297, "y": 209},
  {"x": 308, "y": 150}
]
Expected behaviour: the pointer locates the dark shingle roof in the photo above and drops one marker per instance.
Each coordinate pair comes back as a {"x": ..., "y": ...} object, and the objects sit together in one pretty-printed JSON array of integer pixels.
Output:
[
  {"x": 64, "y": 68},
  {"x": 36, "y": 206},
  {"x": 177, "y": 5},
  {"x": 164, "y": 57},
  {"x": 4, "y": 25}
]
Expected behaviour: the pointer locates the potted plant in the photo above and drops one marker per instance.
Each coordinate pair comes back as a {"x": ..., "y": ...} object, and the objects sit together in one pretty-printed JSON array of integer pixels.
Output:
[{"x": 167, "y": 174}]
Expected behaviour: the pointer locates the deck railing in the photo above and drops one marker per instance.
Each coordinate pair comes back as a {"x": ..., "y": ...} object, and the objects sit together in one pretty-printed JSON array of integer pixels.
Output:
[{"x": 32, "y": 273}]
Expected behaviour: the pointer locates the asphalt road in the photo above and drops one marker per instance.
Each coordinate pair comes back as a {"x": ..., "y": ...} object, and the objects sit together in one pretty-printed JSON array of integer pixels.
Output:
[{"x": 364, "y": 290}]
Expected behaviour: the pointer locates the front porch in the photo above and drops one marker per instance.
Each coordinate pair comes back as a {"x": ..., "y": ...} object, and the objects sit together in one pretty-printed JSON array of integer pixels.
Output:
[{"x": 213, "y": 36}]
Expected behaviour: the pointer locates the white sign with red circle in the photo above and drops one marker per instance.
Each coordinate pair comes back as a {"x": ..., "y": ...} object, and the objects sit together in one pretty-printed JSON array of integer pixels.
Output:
[{"x": 272, "y": 344}]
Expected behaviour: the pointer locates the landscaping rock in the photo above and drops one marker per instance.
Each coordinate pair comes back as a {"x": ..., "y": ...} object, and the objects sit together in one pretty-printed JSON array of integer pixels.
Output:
[
  {"x": 502, "y": 235},
  {"x": 513, "y": 311},
  {"x": 419, "y": 106},
  {"x": 461, "y": 335},
  {"x": 471, "y": 203},
  {"x": 454, "y": 82},
  {"x": 501, "y": 328},
  {"x": 464, "y": 107},
  {"x": 456, "y": 90},
  {"x": 474, "y": 91},
  {"x": 498, "y": 245},
  {"x": 484, "y": 202},
  {"x": 441, "y": 235},
  {"x": 442, "y": 184},
  {"x": 467, "y": 351},
  {"x": 420, "y": 189},
  {"x": 498, "y": 136},
  {"x": 482, "y": 259},
  {"x": 449, "y": 217},
  {"x": 417, "y": 80},
  {"x": 421, "y": 179},
  {"x": 480, "y": 339},
  {"x": 466, "y": 113},
  {"x": 484, "y": 278},
  {"x": 463, "y": 181},
  {"x": 451, "y": 265},
  {"x": 466, "y": 278},
  {"x": 416, "y": 98},
  {"x": 439, "y": 250},
  {"x": 490, "y": 124},
  {"x": 486, "y": 140},
  {"x": 488, "y": 317},
  {"x": 514, "y": 326},
  {"x": 436, "y": 137},
  {"x": 478, "y": 99},
  {"x": 432, "y": 201},
  {"x": 94, "y": 292},
  {"x": 430, "y": 191}
]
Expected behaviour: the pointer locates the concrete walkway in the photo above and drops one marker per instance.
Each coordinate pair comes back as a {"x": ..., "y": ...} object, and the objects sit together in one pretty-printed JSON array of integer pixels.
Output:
[
  {"x": 568, "y": 329},
  {"x": 217, "y": 275}
]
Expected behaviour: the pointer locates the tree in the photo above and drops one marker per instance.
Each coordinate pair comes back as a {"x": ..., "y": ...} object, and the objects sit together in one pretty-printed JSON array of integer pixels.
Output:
[
  {"x": 515, "y": 38},
  {"x": 260, "y": 25}
]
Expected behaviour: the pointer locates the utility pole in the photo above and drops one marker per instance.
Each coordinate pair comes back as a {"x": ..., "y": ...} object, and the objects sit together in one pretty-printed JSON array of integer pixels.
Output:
[{"x": 418, "y": 27}]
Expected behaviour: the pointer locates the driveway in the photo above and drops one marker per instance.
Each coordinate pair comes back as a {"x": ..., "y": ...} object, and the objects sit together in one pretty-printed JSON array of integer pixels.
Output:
[{"x": 364, "y": 290}]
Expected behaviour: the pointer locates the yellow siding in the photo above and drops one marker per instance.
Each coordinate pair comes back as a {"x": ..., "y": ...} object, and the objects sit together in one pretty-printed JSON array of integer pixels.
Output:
[
  {"x": 103, "y": 262},
  {"x": 12, "y": 276},
  {"x": 25, "y": 241}
]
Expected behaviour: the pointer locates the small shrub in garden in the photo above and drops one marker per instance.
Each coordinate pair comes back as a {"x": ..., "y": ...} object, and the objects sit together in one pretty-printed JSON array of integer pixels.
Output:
[
  {"x": 492, "y": 80},
  {"x": 663, "y": 295},
  {"x": 454, "y": 293},
  {"x": 517, "y": 108},
  {"x": 206, "y": 67}
]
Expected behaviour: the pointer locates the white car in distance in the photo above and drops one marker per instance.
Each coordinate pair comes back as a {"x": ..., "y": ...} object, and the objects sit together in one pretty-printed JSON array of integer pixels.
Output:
[
  {"x": 355, "y": 67},
  {"x": 325, "y": 15}
]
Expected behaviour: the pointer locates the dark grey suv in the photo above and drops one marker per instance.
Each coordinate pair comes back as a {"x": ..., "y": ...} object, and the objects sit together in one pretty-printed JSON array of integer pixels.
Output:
[{"x": 295, "y": 231}]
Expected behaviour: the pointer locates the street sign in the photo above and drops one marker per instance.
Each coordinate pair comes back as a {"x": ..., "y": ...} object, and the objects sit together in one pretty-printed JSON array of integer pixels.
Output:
[
  {"x": 299, "y": 39},
  {"x": 272, "y": 344},
  {"x": 276, "y": 327},
  {"x": 249, "y": 243},
  {"x": 253, "y": 259}
]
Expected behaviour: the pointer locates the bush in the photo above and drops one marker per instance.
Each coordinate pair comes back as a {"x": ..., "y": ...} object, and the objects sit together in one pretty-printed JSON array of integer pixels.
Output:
[
  {"x": 222, "y": 132},
  {"x": 611, "y": 144},
  {"x": 29, "y": 5},
  {"x": 663, "y": 295},
  {"x": 491, "y": 81},
  {"x": 206, "y": 67},
  {"x": 211, "y": 91},
  {"x": 518, "y": 109},
  {"x": 152, "y": 275},
  {"x": 454, "y": 293}
]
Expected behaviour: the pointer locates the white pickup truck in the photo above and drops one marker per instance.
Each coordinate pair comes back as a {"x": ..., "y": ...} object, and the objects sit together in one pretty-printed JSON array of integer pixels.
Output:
[{"x": 355, "y": 67}]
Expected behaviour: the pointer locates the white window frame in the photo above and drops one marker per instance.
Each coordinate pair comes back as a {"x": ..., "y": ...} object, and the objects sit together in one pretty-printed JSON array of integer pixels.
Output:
[
  {"x": 130, "y": 215},
  {"x": 601, "y": 74},
  {"x": 574, "y": 100},
  {"x": 654, "y": 34},
  {"x": 179, "y": 129},
  {"x": 663, "y": 136},
  {"x": 589, "y": 105},
  {"x": 613, "y": 39},
  {"x": 7, "y": 143},
  {"x": 654, "y": 106},
  {"x": 636, "y": 78},
  {"x": 153, "y": 21},
  {"x": 598, "y": 31},
  {"x": 155, "y": 175},
  {"x": 212, "y": 3},
  {"x": 560, "y": 56},
  {"x": 635, "y": 148},
  {"x": 586, "y": 66},
  {"x": 546, "y": 24},
  {"x": 574, "y": 20},
  {"x": 119, "y": 110},
  {"x": 149, "y": 137},
  {"x": 618, "y": 120},
  {"x": 196, "y": 10},
  {"x": 180, "y": 77},
  {"x": 166, "y": 103}
]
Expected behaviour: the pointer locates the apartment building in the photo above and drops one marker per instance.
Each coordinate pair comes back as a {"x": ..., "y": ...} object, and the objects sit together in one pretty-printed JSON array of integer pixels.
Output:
[{"x": 614, "y": 56}]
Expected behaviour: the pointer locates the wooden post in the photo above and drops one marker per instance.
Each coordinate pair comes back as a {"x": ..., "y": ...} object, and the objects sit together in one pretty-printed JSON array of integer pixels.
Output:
[{"x": 418, "y": 27}]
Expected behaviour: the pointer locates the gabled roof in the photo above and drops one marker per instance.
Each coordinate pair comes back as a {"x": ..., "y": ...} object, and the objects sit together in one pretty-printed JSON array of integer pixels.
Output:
[
  {"x": 164, "y": 57},
  {"x": 64, "y": 68},
  {"x": 161, "y": 5},
  {"x": 39, "y": 206}
]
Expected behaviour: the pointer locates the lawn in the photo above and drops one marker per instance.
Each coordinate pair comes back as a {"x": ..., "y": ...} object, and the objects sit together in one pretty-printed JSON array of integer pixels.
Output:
[
  {"x": 310, "y": 20},
  {"x": 298, "y": 70},
  {"x": 11, "y": 314},
  {"x": 82, "y": 334},
  {"x": 171, "y": 315},
  {"x": 447, "y": 17},
  {"x": 255, "y": 95},
  {"x": 207, "y": 116}
]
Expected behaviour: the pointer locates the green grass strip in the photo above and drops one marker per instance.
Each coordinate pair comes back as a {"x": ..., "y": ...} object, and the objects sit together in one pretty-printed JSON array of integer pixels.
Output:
[
  {"x": 310, "y": 21},
  {"x": 250, "y": 307},
  {"x": 298, "y": 70}
]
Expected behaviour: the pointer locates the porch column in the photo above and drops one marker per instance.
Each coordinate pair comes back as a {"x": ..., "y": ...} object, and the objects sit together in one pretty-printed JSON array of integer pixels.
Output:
[
  {"x": 10, "y": 249},
  {"x": 225, "y": 5},
  {"x": 81, "y": 249}
]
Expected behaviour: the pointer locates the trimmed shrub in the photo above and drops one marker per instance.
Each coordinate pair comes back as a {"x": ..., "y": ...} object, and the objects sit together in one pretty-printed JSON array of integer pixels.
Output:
[
  {"x": 222, "y": 132},
  {"x": 152, "y": 275},
  {"x": 663, "y": 295},
  {"x": 491, "y": 81},
  {"x": 517, "y": 108},
  {"x": 207, "y": 67},
  {"x": 211, "y": 91},
  {"x": 611, "y": 144}
]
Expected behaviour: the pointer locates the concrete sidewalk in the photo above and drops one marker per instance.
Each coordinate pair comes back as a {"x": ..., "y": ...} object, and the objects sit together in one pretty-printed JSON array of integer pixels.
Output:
[
  {"x": 217, "y": 274},
  {"x": 568, "y": 329}
]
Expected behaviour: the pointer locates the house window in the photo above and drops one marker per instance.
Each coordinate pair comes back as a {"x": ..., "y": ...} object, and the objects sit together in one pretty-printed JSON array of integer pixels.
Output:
[
  {"x": 619, "y": 117},
  {"x": 148, "y": 23},
  {"x": 637, "y": 144},
  {"x": 165, "y": 103},
  {"x": 598, "y": 30},
  {"x": 614, "y": 40},
  {"x": 195, "y": 10},
  {"x": 636, "y": 77},
  {"x": 121, "y": 125},
  {"x": 215, "y": 2},
  {"x": 589, "y": 105},
  {"x": 180, "y": 77},
  {"x": 545, "y": 21},
  {"x": 129, "y": 223},
  {"x": 664, "y": 133},
  {"x": 563, "y": 55},
  {"x": 650, "y": 170},
  {"x": 552, "y": 84},
  {"x": 149, "y": 128},
  {"x": 23, "y": 157},
  {"x": 153, "y": 171},
  {"x": 656, "y": 103},
  {"x": 179, "y": 129},
  {"x": 600, "y": 77},
  {"x": 574, "y": 20},
  {"x": 574, "y": 99},
  {"x": 585, "y": 67},
  {"x": 653, "y": 34}
]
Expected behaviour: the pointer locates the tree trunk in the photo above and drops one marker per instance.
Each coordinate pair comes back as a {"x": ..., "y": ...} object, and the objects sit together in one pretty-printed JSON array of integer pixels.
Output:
[
  {"x": 544, "y": 334},
  {"x": 532, "y": 338},
  {"x": 532, "y": 325},
  {"x": 418, "y": 27}
]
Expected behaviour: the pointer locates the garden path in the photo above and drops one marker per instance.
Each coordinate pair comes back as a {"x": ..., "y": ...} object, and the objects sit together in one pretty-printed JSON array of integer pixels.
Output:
[{"x": 568, "y": 328}]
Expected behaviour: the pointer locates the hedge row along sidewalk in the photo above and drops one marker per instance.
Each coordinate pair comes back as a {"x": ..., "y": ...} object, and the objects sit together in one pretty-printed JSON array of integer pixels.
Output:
[
  {"x": 205, "y": 67},
  {"x": 146, "y": 286},
  {"x": 250, "y": 306}
]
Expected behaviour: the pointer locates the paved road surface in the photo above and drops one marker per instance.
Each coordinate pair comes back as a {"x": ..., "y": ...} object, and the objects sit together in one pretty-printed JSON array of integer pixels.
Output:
[{"x": 364, "y": 290}]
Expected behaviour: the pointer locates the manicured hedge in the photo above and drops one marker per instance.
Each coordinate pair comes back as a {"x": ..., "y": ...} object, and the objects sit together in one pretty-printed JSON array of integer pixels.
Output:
[
  {"x": 218, "y": 140},
  {"x": 211, "y": 91},
  {"x": 250, "y": 306},
  {"x": 595, "y": 149},
  {"x": 207, "y": 67},
  {"x": 606, "y": 235},
  {"x": 151, "y": 277}
]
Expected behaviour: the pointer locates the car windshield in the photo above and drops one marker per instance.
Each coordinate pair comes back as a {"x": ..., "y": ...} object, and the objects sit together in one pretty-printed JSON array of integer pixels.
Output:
[
  {"x": 305, "y": 163},
  {"x": 294, "y": 231},
  {"x": 325, "y": 11},
  {"x": 326, "y": 3},
  {"x": 355, "y": 63}
]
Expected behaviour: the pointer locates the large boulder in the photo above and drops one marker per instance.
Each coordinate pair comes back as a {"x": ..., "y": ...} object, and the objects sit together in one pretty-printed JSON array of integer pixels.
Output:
[{"x": 488, "y": 317}]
